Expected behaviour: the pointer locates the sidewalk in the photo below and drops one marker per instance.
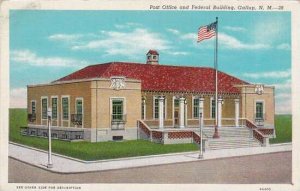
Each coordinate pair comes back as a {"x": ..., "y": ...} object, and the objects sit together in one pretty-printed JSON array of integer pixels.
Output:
[{"x": 63, "y": 164}]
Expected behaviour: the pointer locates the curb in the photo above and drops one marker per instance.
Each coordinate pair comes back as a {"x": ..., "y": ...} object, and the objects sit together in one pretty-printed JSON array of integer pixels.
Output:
[
  {"x": 281, "y": 144},
  {"x": 104, "y": 160}
]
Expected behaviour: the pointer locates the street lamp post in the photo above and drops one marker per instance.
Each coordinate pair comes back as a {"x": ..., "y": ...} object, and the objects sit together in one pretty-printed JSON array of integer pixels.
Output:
[
  {"x": 49, "y": 114},
  {"x": 201, "y": 142}
]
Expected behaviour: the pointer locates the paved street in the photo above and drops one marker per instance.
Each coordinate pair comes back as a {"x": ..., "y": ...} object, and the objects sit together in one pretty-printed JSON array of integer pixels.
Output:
[{"x": 264, "y": 168}]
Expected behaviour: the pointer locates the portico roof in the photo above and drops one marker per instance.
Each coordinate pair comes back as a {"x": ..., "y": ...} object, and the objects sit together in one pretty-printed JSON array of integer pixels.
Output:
[{"x": 162, "y": 77}]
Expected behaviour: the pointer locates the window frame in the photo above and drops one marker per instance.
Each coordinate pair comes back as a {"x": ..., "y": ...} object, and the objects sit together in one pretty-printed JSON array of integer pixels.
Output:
[
  {"x": 79, "y": 99},
  {"x": 42, "y": 116},
  {"x": 195, "y": 108},
  {"x": 62, "y": 109},
  {"x": 212, "y": 107},
  {"x": 165, "y": 107},
  {"x": 262, "y": 102},
  {"x": 31, "y": 108},
  {"x": 82, "y": 108},
  {"x": 57, "y": 115},
  {"x": 117, "y": 110},
  {"x": 124, "y": 112}
]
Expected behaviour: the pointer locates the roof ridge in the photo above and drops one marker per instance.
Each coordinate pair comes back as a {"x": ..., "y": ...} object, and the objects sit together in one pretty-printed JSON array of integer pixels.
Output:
[{"x": 159, "y": 65}]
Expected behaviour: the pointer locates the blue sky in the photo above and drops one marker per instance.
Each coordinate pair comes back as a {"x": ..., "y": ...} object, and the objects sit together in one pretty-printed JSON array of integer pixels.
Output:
[{"x": 46, "y": 45}]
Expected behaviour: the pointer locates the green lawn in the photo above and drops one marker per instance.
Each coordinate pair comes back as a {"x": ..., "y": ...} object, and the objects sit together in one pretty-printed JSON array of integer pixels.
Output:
[
  {"x": 90, "y": 151},
  {"x": 283, "y": 126}
]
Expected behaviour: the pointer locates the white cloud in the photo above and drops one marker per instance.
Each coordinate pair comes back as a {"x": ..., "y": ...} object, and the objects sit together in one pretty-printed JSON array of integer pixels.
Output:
[
  {"x": 127, "y": 25},
  {"x": 225, "y": 40},
  {"x": 271, "y": 74},
  {"x": 126, "y": 43},
  {"x": 186, "y": 36},
  {"x": 176, "y": 53},
  {"x": 284, "y": 96},
  {"x": 283, "y": 86},
  {"x": 235, "y": 29},
  {"x": 189, "y": 36},
  {"x": 65, "y": 37},
  {"x": 284, "y": 46},
  {"x": 174, "y": 31},
  {"x": 18, "y": 98},
  {"x": 270, "y": 30},
  {"x": 31, "y": 58},
  {"x": 233, "y": 43}
]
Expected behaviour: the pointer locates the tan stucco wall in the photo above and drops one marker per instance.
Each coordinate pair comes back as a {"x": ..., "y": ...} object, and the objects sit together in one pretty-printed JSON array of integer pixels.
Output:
[
  {"x": 97, "y": 95},
  {"x": 101, "y": 99},
  {"x": 73, "y": 90},
  {"x": 249, "y": 98}
]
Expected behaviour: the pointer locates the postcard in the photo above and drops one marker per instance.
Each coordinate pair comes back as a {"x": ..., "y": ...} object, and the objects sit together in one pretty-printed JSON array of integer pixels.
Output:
[{"x": 143, "y": 95}]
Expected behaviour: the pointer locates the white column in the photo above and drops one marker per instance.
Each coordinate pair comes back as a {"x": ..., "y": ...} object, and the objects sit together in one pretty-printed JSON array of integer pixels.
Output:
[
  {"x": 201, "y": 110},
  {"x": 185, "y": 114},
  {"x": 161, "y": 112},
  {"x": 220, "y": 112},
  {"x": 181, "y": 110},
  {"x": 237, "y": 112}
]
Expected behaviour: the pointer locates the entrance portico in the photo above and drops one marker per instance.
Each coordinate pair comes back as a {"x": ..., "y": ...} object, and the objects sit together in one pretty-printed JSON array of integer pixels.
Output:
[{"x": 182, "y": 111}]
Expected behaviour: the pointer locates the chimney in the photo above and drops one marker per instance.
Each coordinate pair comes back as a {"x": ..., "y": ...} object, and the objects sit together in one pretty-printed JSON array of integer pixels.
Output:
[{"x": 152, "y": 57}]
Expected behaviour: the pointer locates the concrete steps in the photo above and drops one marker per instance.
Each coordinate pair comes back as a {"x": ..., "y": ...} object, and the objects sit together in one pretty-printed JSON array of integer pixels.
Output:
[
  {"x": 227, "y": 132},
  {"x": 230, "y": 137}
]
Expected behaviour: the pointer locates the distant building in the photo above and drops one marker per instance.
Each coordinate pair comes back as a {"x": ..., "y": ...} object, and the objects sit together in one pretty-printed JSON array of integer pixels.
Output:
[{"x": 104, "y": 102}]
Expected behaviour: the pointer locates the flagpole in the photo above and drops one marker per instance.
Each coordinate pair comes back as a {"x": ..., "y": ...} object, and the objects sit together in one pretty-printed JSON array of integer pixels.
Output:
[{"x": 216, "y": 134}]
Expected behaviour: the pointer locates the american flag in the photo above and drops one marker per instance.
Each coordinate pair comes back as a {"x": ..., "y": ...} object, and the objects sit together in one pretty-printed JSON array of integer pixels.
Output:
[{"x": 206, "y": 32}]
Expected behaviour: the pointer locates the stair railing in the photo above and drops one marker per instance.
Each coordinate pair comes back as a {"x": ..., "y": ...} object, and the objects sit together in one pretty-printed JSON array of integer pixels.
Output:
[{"x": 263, "y": 139}]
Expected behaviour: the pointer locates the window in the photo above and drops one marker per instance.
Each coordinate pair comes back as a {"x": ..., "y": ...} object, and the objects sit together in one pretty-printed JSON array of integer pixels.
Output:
[
  {"x": 79, "y": 110},
  {"x": 176, "y": 102},
  {"x": 154, "y": 57},
  {"x": 259, "y": 110},
  {"x": 79, "y": 106},
  {"x": 156, "y": 107},
  {"x": 54, "y": 108},
  {"x": 65, "y": 108},
  {"x": 117, "y": 110},
  {"x": 213, "y": 108},
  {"x": 196, "y": 108},
  {"x": 33, "y": 107},
  {"x": 44, "y": 108}
]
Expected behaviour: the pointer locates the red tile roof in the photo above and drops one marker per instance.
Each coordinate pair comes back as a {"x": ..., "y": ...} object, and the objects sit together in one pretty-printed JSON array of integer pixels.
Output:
[{"x": 162, "y": 77}]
